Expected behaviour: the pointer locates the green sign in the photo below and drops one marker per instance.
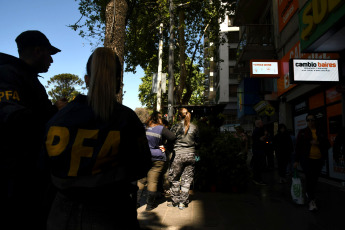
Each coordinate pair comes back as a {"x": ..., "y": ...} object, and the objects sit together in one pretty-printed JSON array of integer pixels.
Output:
[{"x": 317, "y": 17}]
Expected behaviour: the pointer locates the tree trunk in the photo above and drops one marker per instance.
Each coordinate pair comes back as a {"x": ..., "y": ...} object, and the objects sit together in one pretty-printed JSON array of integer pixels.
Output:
[
  {"x": 115, "y": 32},
  {"x": 171, "y": 64},
  {"x": 183, "y": 72}
]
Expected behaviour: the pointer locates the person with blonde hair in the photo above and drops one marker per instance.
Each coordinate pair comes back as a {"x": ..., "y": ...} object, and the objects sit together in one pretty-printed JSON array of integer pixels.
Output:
[
  {"x": 181, "y": 171},
  {"x": 96, "y": 149}
]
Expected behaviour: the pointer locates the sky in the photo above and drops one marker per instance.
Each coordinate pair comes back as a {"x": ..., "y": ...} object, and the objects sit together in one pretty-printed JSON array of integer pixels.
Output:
[{"x": 52, "y": 17}]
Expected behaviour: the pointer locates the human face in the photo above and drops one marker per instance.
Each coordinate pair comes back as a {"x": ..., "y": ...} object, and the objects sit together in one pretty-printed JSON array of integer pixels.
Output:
[
  {"x": 43, "y": 59},
  {"x": 311, "y": 121}
]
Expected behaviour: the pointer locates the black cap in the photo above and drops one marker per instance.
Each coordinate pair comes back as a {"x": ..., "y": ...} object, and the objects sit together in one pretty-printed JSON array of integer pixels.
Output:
[{"x": 32, "y": 38}]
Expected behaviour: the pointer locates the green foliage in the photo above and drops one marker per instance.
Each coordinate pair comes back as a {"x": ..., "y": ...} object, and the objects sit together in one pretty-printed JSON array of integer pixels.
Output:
[
  {"x": 63, "y": 86},
  {"x": 142, "y": 36},
  {"x": 149, "y": 99},
  {"x": 220, "y": 162}
]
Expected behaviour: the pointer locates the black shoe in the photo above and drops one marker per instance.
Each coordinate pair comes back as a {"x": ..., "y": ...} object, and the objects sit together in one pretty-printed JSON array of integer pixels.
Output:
[
  {"x": 172, "y": 204},
  {"x": 139, "y": 194},
  {"x": 151, "y": 201}
]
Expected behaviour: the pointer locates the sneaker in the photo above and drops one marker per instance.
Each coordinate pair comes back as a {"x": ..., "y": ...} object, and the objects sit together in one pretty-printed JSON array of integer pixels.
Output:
[
  {"x": 312, "y": 206},
  {"x": 172, "y": 204},
  {"x": 182, "y": 206},
  {"x": 259, "y": 182}
]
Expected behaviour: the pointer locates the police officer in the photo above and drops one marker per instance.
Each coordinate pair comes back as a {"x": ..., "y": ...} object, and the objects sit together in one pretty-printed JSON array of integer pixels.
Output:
[
  {"x": 24, "y": 110},
  {"x": 95, "y": 149},
  {"x": 181, "y": 171}
]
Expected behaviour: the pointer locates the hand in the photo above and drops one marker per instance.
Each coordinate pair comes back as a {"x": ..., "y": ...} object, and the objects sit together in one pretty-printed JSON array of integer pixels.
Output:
[
  {"x": 62, "y": 102},
  {"x": 161, "y": 147}
]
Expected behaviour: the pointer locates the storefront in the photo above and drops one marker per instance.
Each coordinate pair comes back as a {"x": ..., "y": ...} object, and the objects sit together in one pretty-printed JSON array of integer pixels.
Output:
[{"x": 321, "y": 38}]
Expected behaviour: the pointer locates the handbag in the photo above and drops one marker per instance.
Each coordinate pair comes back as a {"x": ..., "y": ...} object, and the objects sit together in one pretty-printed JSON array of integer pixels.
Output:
[{"x": 296, "y": 189}]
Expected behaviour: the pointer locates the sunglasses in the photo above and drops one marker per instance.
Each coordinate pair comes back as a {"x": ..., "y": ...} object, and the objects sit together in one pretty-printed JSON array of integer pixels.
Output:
[{"x": 310, "y": 120}]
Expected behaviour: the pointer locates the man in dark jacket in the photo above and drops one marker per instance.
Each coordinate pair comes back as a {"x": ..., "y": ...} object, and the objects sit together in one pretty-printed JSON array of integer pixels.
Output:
[
  {"x": 259, "y": 138},
  {"x": 311, "y": 151},
  {"x": 24, "y": 111}
]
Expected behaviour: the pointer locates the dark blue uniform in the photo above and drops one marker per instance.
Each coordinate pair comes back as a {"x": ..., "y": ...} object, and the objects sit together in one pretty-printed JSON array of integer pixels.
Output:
[{"x": 93, "y": 165}]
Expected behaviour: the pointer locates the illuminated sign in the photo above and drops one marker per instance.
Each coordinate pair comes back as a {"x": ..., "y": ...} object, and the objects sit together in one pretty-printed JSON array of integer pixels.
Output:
[
  {"x": 312, "y": 70},
  {"x": 318, "y": 16},
  {"x": 264, "y": 68}
]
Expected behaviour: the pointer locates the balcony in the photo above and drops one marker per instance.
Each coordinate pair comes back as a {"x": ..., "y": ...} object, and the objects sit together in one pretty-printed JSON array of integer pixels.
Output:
[
  {"x": 249, "y": 11},
  {"x": 256, "y": 43}
]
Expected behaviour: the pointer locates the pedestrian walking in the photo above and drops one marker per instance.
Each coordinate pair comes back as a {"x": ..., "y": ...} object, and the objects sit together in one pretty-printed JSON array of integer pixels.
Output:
[
  {"x": 311, "y": 151},
  {"x": 156, "y": 134},
  {"x": 283, "y": 148},
  {"x": 95, "y": 149},
  {"x": 181, "y": 172},
  {"x": 259, "y": 138},
  {"x": 24, "y": 111}
]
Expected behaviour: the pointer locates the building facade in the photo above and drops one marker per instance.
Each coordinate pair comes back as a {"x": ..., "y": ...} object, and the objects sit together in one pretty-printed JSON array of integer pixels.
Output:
[{"x": 302, "y": 31}]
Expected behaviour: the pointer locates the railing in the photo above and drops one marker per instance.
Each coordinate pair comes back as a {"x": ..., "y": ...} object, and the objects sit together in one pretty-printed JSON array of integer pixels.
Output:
[{"x": 255, "y": 35}]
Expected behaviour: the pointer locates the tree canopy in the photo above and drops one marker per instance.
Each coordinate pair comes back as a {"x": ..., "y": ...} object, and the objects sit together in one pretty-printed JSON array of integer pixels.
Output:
[
  {"x": 195, "y": 88},
  {"x": 64, "y": 86},
  {"x": 192, "y": 19}
]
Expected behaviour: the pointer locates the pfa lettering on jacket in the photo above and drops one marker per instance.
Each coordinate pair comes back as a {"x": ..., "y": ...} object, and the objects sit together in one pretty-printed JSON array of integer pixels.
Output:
[{"x": 9, "y": 95}]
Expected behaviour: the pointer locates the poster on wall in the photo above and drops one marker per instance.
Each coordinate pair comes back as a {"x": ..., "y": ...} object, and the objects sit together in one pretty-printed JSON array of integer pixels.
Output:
[
  {"x": 300, "y": 123},
  {"x": 336, "y": 169}
]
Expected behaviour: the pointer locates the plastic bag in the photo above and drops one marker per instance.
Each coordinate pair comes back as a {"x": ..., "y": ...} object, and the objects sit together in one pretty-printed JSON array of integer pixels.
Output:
[{"x": 296, "y": 189}]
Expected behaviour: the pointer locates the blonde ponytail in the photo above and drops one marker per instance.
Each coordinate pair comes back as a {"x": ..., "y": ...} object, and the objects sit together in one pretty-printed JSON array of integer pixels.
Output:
[
  {"x": 184, "y": 114},
  {"x": 104, "y": 71}
]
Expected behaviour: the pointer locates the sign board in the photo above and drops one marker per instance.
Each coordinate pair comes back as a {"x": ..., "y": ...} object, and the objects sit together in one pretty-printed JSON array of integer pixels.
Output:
[
  {"x": 286, "y": 9},
  {"x": 264, "y": 68},
  {"x": 316, "y": 18},
  {"x": 313, "y": 70},
  {"x": 283, "y": 83},
  {"x": 154, "y": 83}
]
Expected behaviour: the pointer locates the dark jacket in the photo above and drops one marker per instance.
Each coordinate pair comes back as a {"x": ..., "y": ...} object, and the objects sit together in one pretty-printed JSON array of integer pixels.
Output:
[
  {"x": 24, "y": 111},
  {"x": 257, "y": 143},
  {"x": 282, "y": 143},
  {"x": 186, "y": 143},
  {"x": 303, "y": 144},
  {"x": 82, "y": 151}
]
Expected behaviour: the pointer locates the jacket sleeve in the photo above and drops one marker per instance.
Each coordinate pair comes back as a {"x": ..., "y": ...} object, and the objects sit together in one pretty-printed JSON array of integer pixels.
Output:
[
  {"x": 168, "y": 135},
  {"x": 137, "y": 148}
]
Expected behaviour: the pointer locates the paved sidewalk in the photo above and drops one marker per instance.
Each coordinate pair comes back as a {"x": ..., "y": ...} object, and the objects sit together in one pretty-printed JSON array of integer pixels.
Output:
[{"x": 260, "y": 207}]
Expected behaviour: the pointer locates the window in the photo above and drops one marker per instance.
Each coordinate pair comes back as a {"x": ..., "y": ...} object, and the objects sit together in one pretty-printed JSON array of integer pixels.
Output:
[
  {"x": 232, "y": 53},
  {"x": 232, "y": 90},
  {"x": 230, "y": 21},
  {"x": 233, "y": 36}
]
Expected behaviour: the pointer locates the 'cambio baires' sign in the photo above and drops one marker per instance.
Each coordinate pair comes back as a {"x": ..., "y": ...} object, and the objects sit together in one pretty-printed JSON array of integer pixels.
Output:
[{"x": 309, "y": 70}]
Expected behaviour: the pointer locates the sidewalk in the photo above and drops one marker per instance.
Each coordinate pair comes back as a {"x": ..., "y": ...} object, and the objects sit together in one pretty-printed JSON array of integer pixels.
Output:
[{"x": 260, "y": 207}]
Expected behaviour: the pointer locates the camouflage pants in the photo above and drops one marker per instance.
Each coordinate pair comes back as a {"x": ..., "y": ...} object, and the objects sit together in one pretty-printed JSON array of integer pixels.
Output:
[{"x": 181, "y": 175}]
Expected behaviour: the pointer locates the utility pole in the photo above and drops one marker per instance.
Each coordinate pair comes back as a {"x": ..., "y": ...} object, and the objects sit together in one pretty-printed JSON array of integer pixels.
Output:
[
  {"x": 171, "y": 64},
  {"x": 159, "y": 74}
]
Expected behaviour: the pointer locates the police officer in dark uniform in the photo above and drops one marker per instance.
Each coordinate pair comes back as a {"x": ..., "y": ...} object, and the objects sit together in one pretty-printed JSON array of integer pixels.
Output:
[
  {"x": 95, "y": 149},
  {"x": 24, "y": 110}
]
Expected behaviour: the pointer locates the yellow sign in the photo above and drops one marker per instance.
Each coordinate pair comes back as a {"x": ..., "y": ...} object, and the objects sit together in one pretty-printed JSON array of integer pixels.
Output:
[{"x": 269, "y": 110}]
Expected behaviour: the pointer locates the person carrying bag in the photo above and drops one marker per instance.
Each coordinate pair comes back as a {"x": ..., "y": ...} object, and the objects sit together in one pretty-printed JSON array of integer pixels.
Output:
[{"x": 296, "y": 189}]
